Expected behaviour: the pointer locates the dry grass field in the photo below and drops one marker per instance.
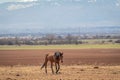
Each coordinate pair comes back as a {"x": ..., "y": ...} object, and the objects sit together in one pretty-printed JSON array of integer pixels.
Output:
[
  {"x": 79, "y": 64},
  {"x": 74, "y": 72}
]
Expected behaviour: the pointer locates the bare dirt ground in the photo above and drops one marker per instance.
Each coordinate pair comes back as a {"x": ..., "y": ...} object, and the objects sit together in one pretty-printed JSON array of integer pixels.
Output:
[
  {"x": 79, "y": 64},
  {"x": 71, "y": 56}
]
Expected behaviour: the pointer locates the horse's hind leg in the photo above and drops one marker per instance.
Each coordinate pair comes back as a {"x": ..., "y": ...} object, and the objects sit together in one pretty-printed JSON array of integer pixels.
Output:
[
  {"x": 46, "y": 68},
  {"x": 45, "y": 64},
  {"x": 46, "y": 60}
]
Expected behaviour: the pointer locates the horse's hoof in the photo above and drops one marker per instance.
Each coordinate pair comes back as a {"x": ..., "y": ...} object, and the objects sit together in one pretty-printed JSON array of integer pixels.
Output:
[{"x": 58, "y": 73}]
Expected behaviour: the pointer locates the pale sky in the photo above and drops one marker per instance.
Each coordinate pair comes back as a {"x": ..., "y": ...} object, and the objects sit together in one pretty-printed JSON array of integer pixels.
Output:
[{"x": 59, "y": 13}]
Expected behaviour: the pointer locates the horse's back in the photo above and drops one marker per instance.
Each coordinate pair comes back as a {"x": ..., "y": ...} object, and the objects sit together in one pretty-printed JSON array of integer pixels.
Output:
[{"x": 50, "y": 57}]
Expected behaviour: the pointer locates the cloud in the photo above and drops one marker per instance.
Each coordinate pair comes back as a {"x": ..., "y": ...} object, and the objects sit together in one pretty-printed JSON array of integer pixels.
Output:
[
  {"x": 77, "y": 0},
  {"x": 92, "y": 1},
  {"x": 26, "y": 0},
  {"x": 118, "y": 3},
  {"x": 19, "y": 6},
  {"x": 56, "y": 4},
  {"x": 48, "y": 0},
  {"x": 4, "y": 1}
]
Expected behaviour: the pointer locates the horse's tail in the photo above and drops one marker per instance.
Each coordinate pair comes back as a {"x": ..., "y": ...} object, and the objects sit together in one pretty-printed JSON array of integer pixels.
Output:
[{"x": 45, "y": 61}]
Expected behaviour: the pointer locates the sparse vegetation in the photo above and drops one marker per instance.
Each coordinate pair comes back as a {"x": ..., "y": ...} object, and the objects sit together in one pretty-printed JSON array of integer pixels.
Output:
[
  {"x": 82, "y": 72},
  {"x": 52, "y": 39},
  {"x": 68, "y": 46}
]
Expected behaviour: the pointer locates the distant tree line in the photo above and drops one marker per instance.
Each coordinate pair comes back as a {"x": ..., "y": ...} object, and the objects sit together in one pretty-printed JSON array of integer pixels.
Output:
[{"x": 50, "y": 39}]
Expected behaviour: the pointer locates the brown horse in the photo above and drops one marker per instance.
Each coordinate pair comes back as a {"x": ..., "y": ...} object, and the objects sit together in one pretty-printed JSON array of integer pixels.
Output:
[{"x": 53, "y": 59}]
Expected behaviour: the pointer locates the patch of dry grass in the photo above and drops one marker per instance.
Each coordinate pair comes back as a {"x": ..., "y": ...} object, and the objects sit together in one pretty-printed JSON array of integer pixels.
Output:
[
  {"x": 75, "y": 72},
  {"x": 69, "y": 46}
]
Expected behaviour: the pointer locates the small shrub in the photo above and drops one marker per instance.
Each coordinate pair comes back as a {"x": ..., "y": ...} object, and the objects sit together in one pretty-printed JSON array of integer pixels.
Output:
[
  {"x": 17, "y": 74},
  {"x": 81, "y": 69},
  {"x": 117, "y": 41},
  {"x": 96, "y": 67}
]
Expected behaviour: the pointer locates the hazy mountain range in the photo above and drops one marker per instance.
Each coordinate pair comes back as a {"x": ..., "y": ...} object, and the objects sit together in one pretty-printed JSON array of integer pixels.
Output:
[{"x": 79, "y": 30}]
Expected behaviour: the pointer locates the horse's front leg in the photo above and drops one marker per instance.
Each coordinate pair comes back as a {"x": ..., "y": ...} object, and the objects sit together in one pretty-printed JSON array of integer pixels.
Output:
[
  {"x": 58, "y": 68},
  {"x": 52, "y": 67}
]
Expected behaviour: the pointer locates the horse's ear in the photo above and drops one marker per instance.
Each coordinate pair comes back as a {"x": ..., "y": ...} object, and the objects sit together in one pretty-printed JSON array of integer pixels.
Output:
[
  {"x": 61, "y": 53},
  {"x": 55, "y": 53}
]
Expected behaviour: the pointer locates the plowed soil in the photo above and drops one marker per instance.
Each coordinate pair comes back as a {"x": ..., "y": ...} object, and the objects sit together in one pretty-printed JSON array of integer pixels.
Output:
[{"x": 71, "y": 57}]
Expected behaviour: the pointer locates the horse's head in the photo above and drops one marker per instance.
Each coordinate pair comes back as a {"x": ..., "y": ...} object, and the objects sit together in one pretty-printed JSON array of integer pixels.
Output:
[{"x": 59, "y": 56}]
